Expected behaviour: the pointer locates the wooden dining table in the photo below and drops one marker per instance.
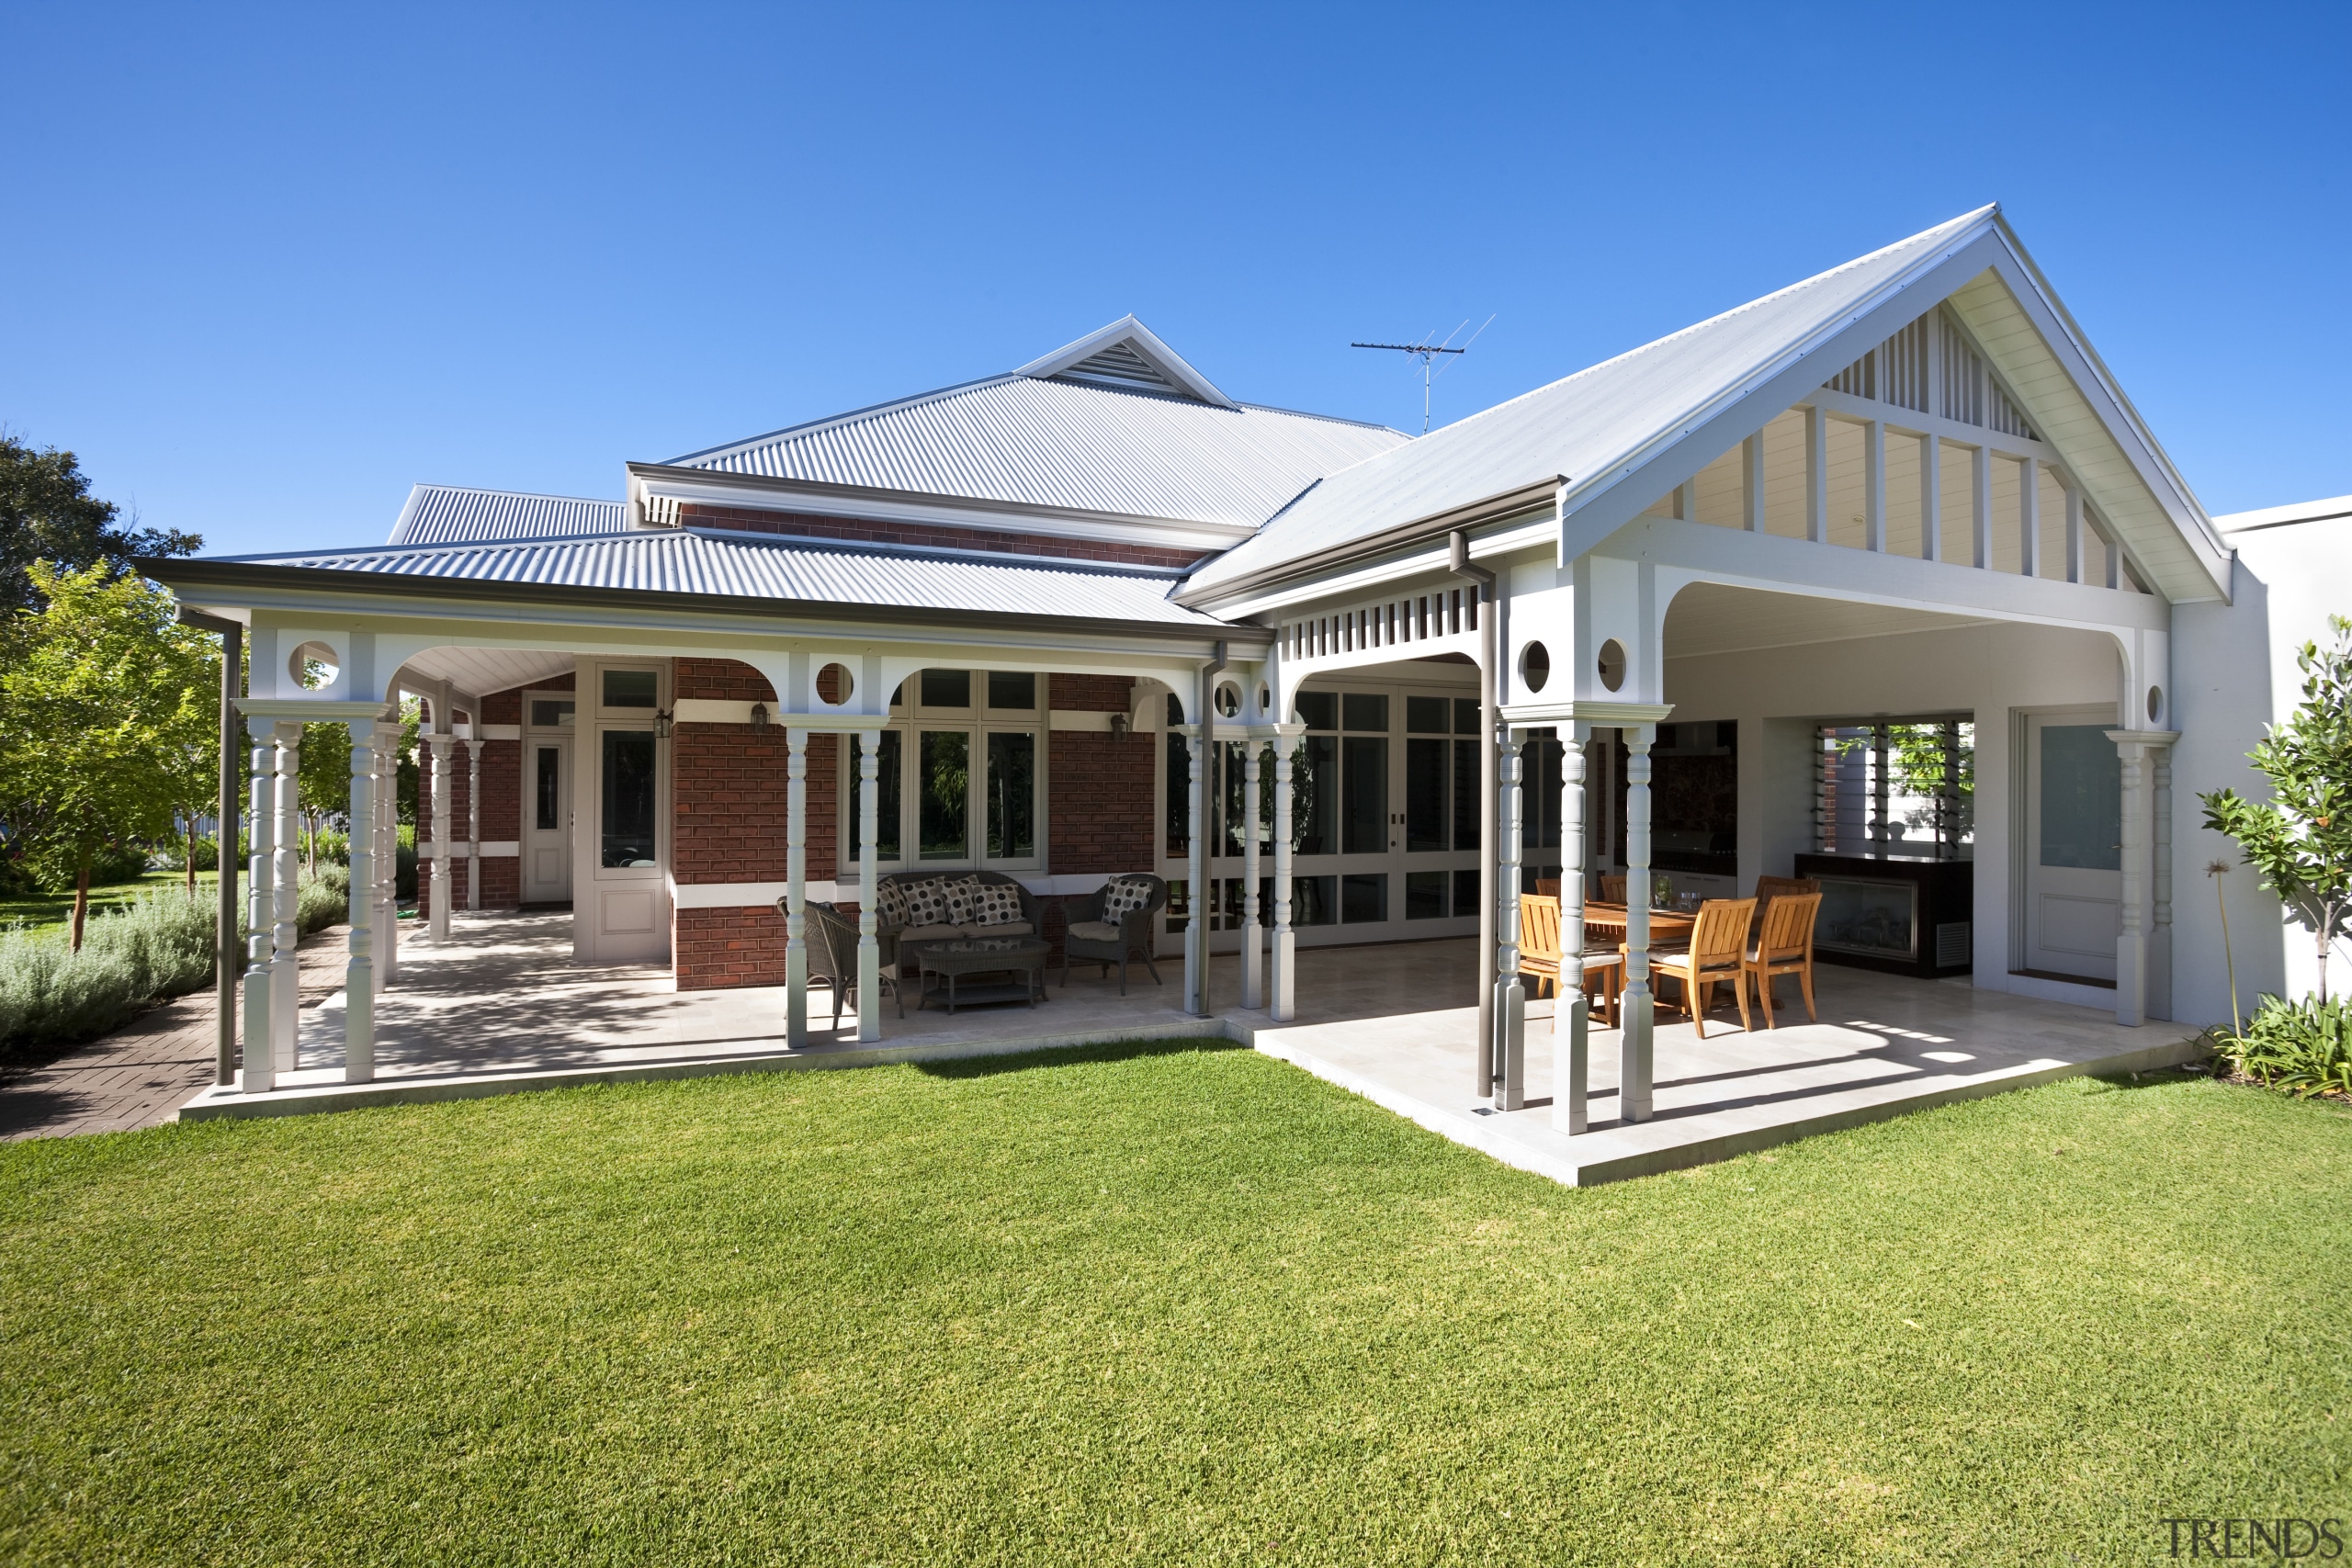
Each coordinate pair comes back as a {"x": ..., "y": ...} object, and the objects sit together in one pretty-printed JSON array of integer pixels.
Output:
[{"x": 1668, "y": 928}]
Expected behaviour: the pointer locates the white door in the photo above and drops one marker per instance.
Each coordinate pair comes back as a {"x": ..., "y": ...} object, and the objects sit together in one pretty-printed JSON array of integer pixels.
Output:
[
  {"x": 2073, "y": 845},
  {"x": 620, "y": 899},
  {"x": 546, "y": 820}
]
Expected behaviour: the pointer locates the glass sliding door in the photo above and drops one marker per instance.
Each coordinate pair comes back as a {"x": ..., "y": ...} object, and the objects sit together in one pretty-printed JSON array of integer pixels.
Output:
[
  {"x": 1012, "y": 795},
  {"x": 944, "y": 799}
]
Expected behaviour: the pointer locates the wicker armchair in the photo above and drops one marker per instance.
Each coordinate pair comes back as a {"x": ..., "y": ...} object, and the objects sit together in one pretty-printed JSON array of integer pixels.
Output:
[
  {"x": 1099, "y": 938},
  {"x": 832, "y": 957}
]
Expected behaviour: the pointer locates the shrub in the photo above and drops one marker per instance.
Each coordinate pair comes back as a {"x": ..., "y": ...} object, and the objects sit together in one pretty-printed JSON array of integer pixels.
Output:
[
  {"x": 160, "y": 946},
  {"x": 2304, "y": 1047},
  {"x": 405, "y": 867},
  {"x": 323, "y": 900}
]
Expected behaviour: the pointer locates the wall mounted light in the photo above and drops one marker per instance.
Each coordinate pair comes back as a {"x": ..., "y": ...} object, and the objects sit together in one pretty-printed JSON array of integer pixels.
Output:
[
  {"x": 662, "y": 724},
  {"x": 1118, "y": 727},
  {"x": 759, "y": 718}
]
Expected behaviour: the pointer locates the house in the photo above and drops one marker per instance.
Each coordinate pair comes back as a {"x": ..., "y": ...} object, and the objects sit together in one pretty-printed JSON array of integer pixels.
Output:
[{"x": 1880, "y": 577}]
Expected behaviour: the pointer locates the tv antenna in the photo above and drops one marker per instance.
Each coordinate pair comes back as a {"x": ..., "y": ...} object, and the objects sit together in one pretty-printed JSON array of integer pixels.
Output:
[{"x": 1429, "y": 353}]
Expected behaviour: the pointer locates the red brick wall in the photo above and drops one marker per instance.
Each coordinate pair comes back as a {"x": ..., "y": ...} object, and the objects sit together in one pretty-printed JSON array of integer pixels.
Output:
[
  {"x": 728, "y": 788},
  {"x": 715, "y": 948},
  {"x": 756, "y": 520},
  {"x": 1099, "y": 798},
  {"x": 502, "y": 802}
]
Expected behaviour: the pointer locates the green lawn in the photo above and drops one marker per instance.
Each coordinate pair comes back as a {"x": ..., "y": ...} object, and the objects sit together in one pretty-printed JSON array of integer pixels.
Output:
[
  {"x": 56, "y": 908},
  {"x": 1182, "y": 1306}
]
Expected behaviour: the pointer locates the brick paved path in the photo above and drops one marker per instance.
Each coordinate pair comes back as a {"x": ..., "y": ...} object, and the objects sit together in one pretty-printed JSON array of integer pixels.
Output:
[{"x": 144, "y": 1072}]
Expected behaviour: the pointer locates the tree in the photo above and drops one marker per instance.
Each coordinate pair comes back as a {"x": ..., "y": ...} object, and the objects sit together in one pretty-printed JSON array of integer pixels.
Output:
[
  {"x": 2300, "y": 841},
  {"x": 47, "y": 513},
  {"x": 102, "y": 701},
  {"x": 323, "y": 786}
]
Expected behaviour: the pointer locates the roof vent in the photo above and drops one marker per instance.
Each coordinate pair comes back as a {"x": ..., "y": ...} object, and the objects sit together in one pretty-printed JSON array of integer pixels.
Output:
[{"x": 1121, "y": 365}]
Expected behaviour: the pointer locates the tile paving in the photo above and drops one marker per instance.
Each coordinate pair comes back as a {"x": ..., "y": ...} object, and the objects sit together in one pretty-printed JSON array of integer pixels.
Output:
[{"x": 141, "y": 1074}]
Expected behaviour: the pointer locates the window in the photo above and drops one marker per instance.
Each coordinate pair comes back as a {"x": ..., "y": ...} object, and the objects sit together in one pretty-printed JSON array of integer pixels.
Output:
[
  {"x": 958, "y": 781},
  {"x": 548, "y": 714},
  {"x": 944, "y": 801},
  {"x": 548, "y": 785},
  {"x": 1897, "y": 787},
  {"x": 632, "y": 688},
  {"x": 1012, "y": 689},
  {"x": 629, "y": 780},
  {"x": 947, "y": 688}
]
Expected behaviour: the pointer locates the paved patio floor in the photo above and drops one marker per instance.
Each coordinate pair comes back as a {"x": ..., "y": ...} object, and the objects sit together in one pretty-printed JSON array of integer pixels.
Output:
[{"x": 503, "y": 1006}]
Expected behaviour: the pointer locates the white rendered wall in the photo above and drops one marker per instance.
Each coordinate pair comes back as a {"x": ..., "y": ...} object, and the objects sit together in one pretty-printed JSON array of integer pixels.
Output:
[
  {"x": 2234, "y": 666},
  {"x": 1778, "y": 694}
]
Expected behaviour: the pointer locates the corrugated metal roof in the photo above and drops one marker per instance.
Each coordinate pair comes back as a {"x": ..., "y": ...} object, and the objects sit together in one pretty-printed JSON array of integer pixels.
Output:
[
  {"x": 685, "y": 561},
  {"x": 1585, "y": 424},
  {"x": 441, "y": 514},
  {"x": 1025, "y": 441}
]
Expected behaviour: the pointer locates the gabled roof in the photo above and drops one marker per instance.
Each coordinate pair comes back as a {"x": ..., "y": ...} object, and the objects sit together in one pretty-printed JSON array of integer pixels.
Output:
[
  {"x": 439, "y": 514},
  {"x": 1620, "y": 426},
  {"x": 1128, "y": 356},
  {"x": 1584, "y": 425},
  {"x": 1081, "y": 430},
  {"x": 696, "y": 564}
]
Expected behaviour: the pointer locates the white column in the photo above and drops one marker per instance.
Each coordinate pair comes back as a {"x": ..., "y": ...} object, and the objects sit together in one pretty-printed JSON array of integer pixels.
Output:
[
  {"x": 260, "y": 1074},
  {"x": 795, "y": 874},
  {"x": 1196, "y": 871},
  {"x": 1253, "y": 935},
  {"x": 359, "y": 969},
  {"x": 1816, "y": 476},
  {"x": 285, "y": 931},
  {"x": 1636, "y": 1013},
  {"x": 2028, "y": 519},
  {"x": 2158, "y": 1000},
  {"x": 2131, "y": 943},
  {"x": 473, "y": 821},
  {"x": 1511, "y": 996},
  {"x": 440, "y": 744},
  {"x": 2074, "y": 533},
  {"x": 1285, "y": 998},
  {"x": 870, "y": 915},
  {"x": 1570, "y": 1054},
  {"x": 1874, "y": 485},
  {"x": 1751, "y": 485},
  {"x": 1980, "y": 506},
  {"x": 1931, "y": 499},
  {"x": 387, "y": 827}
]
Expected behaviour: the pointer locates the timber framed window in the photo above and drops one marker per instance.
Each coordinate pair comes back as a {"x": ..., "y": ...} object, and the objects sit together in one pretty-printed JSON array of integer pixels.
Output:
[{"x": 961, "y": 780}]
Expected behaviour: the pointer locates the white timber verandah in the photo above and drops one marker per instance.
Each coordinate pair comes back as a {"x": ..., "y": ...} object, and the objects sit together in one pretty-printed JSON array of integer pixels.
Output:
[
  {"x": 1911, "y": 481},
  {"x": 450, "y": 665}
]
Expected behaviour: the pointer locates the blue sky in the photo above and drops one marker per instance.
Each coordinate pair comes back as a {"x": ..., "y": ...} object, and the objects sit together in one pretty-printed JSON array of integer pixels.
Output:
[{"x": 269, "y": 268}]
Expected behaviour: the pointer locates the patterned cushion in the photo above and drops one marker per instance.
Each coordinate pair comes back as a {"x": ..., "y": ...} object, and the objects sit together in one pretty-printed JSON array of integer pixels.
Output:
[
  {"x": 1094, "y": 930},
  {"x": 993, "y": 904},
  {"x": 927, "y": 902},
  {"x": 961, "y": 891},
  {"x": 1122, "y": 894},
  {"x": 890, "y": 903},
  {"x": 1011, "y": 928}
]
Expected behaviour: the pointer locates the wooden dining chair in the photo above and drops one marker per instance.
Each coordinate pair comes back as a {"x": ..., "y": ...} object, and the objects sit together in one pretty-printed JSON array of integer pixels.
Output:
[
  {"x": 1786, "y": 948},
  {"x": 1717, "y": 956},
  {"x": 1548, "y": 885},
  {"x": 1771, "y": 888},
  {"x": 1539, "y": 942},
  {"x": 1613, "y": 889}
]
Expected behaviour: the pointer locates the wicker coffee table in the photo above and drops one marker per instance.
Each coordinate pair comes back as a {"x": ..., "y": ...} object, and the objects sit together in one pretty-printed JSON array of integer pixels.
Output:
[{"x": 965, "y": 957}]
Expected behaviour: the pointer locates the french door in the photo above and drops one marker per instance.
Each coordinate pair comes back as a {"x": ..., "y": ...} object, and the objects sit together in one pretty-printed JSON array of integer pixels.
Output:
[{"x": 2074, "y": 844}]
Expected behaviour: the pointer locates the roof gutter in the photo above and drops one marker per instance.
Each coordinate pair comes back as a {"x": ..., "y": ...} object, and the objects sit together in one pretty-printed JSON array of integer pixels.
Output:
[
  {"x": 183, "y": 577},
  {"x": 1541, "y": 495}
]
